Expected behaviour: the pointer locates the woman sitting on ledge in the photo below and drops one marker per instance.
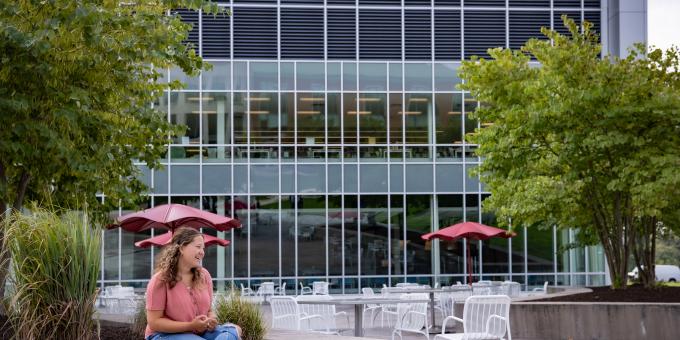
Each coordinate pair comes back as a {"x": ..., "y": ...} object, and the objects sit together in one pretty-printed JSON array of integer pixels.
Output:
[{"x": 179, "y": 295}]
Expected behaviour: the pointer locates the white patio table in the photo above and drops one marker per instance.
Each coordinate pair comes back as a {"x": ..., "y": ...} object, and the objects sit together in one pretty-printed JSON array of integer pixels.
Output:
[{"x": 358, "y": 304}]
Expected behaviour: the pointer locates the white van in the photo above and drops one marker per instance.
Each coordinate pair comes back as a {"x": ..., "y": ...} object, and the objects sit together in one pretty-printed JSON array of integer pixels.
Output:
[{"x": 664, "y": 273}]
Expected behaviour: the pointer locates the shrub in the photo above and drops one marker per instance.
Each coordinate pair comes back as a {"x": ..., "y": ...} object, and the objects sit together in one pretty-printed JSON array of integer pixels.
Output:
[
  {"x": 232, "y": 308},
  {"x": 55, "y": 263}
]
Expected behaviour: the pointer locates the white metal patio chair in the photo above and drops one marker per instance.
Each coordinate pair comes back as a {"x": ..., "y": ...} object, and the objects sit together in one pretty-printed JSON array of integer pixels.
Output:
[
  {"x": 370, "y": 307},
  {"x": 246, "y": 291},
  {"x": 280, "y": 290},
  {"x": 543, "y": 289},
  {"x": 484, "y": 317},
  {"x": 412, "y": 317},
  {"x": 327, "y": 322},
  {"x": 305, "y": 290},
  {"x": 286, "y": 314}
]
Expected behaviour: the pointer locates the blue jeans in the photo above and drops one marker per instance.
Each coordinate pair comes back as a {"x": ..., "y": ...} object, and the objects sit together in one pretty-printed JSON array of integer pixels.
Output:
[{"x": 226, "y": 331}]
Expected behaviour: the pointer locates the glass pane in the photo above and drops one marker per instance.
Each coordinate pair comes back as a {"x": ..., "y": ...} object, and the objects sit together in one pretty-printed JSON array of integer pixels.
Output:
[
  {"x": 495, "y": 255},
  {"x": 218, "y": 259},
  {"x": 449, "y": 177},
  {"x": 449, "y": 118},
  {"x": 240, "y": 118},
  {"x": 540, "y": 250},
  {"x": 184, "y": 179},
  {"x": 350, "y": 178},
  {"x": 335, "y": 240},
  {"x": 216, "y": 179},
  {"x": 350, "y": 219},
  {"x": 397, "y": 244},
  {"x": 450, "y": 210},
  {"x": 264, "y": 236},
  {"x": 396, "y": 78},
  {"x": 191, "y": 83},
  {"x": 264, "y": 178},
  {"x": 518, "y": 251},
  {"x": 263, "y": 76},
  {"x": 396, "y": 118},
  {"x": 471, "y": 182},
  {"x": 372, "y": 77},
  {"x": 373, "y": 178},
  {"x": 240, "y": 75},
  {"x": 419, "y": 178},
  {"x": 396, "y": 178},
  {"x": 216, "y": 120},
  {"x": 240, "y": 244},
  {"x": 288, "y": 118},
  {"x": 562, "y": 252},
  {"x": 111, "y": 252},
  {"x": 334, "y": 76},
  {"x": 287, "y": 77},
  {"x": 310, "y": 118},
  {"x": 219, "y": 77},
  {"x": 349, "y": 76},
  {"x": 350, "y": 117},
  {"x": 334, "y": 118},
  {"x": 372, "y": 118},
  {"x": 472, "y": 208},
  {"x": 418, "y": 77},
  {"x": 310, "y": 77},
  {"x": 264, "y": 118},
  {"x": 418, "y": 212},
  {"x": 334, "y": 178},
  {"x": 311, "y": 235},
  {"x": 311, "y": 178},
  {"x": 446, "y": 77},
  {"x": 470, "y": 106},
  {"x": 184, "y": 109},
  {"x": 418, "y": 119},
  {"x": 374, "y": 241}
]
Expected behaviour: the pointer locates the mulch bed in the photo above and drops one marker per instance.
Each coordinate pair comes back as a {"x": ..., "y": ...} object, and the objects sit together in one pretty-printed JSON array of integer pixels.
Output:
[
  {"x": 634, "y": 293},
  {"x": 109, "y": 330}
]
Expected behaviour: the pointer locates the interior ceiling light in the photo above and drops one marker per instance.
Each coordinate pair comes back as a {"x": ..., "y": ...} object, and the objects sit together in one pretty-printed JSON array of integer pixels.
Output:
[
  {"x": 454, "y": 113},
  {"x": 205, "y": 112},
  {"x": 308, "y": 112},
  {"x": 360, "y": 112},
  {"x": 311, "y": 99},
  {"x": 260, "y": 99},
  {"x": 195, "y": 99},
  {"x": 370, "y": 99},
  {"x": 418, "y": 100},
  {"x": 259, "y": 112},
  {"x": 411, "y": 112}
]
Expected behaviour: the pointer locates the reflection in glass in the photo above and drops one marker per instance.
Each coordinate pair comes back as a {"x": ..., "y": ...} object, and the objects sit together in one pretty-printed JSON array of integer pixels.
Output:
[
  {"x": 219, "y": 77},
  {"x": 111, "y": 253},
  {"x": 396, "y": 118},
  {"x": 374, "y": 241},
  {"x": 263, "y": 76},
  {"x": 240, "y": 75},
  {"x": 450, "y": 210},
  {"x": 334, "y": 118},
  {"x": 240, "y": 118},
  {"x": 239, "y": 205},
  {"x": 396, "y": 78},
  {"x": 350, "y": 220},
  {"x": 418, "y": 259},
  {"x": 215, "y": 119},
  {"x": 264, "y": 236},
  {"x": 335, "y": 237},
  {"x": 184, "y": 110},
  {"x": 540, "y": 250},
  {"x": 350, "y": 114},
  {"x": 191, "y": 83},
  {"x": 264, "y": 118},
  {"x": 494, "y": 250},
  {"x": 287, "y": 222},
  {"x": 334, "y": 76},
  {"x": 310, "y": 118},
  {"x": 449, "y": 118},
  {"x": 288, "y": 119},
  {"x": 372, "y": 118},
  {"x": 418, "y": 112},
  {"x": 418, "y": 77},
  {"x": 287, "y": 76},
  {"x": 310, "y": 76},
  {"x": 311, "y": 235},
  {"x": 472, "y": 207},
  {"x": 446, "y": 76},
  {"x": 397, "y": 245},
  {"x": 161, "y": 103},
  {"x": 372, "y": 77},
  {"x": 349, "y": 76},
  {"x": 470, "y": 105}
]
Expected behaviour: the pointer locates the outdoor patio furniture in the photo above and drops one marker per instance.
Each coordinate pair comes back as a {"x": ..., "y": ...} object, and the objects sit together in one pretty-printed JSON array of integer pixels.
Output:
[
  {"x": 280, "y": 290},
  {"x": 286, "y": 314},
  {"x": 305, "y": 290},
  {"x": 327, "y": 323},
  {"x": 266, "y": 289},
  {"x": 412, "y": 317},
  {"x": 320, "y": 288},
  {"x": 373, "y": 308},
  {"x": 246, "y": 291},
  {"x": 484, "y": 317},
  {"x": 543, "y": 289}
]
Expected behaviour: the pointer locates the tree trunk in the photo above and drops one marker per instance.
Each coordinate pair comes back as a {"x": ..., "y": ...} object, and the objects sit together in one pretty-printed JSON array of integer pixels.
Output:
[
  {"x": 644, "y": 250},
  {"x": 18, "y": 204}
]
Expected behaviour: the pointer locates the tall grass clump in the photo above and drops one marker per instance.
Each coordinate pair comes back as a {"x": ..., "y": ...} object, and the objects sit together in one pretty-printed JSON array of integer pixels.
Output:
[
  {"x": 232, "y": 308},
  {"x": 55, "y": 263},
  {"x": 138, "y": 325}
]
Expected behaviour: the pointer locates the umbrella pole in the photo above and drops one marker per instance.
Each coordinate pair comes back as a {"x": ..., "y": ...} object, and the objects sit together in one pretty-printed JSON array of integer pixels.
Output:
[{"x": 469, "y": 258}]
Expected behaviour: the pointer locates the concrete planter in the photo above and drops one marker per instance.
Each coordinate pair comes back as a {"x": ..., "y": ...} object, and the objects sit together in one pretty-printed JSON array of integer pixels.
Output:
[{"x": 594, "y": 320}]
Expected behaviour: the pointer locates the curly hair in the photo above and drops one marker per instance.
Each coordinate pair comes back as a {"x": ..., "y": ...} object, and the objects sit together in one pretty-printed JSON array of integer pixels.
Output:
[{"x": 169, "y": 258}]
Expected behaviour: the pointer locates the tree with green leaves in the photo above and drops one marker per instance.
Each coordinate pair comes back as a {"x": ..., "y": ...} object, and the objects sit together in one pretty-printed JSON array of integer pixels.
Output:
[
  {"x": 582, "y": 141},
  {"x": 76, "y": 82}
]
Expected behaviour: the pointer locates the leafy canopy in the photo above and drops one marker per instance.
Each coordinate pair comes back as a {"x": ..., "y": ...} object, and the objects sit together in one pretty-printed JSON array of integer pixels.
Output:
[{"x": 76, "y": 82}]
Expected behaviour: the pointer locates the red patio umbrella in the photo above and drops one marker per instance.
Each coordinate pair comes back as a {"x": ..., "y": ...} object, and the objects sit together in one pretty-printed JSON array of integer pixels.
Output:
[
  {"x": 173, "y": 216},
  {"x": 163, "y": 239},
  {"x": 468, "y": 230}
]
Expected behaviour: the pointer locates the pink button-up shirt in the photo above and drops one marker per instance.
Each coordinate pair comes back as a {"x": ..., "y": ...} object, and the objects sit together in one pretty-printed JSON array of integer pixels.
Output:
[{"x": 179, "y": 303}]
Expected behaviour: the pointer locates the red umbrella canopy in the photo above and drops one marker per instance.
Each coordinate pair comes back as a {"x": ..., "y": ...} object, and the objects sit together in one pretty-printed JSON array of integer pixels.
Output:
[
  {"x": 163, "y": 239},
  {"x": 172, "y": 216},
  {"x": 469, "y": 230}
]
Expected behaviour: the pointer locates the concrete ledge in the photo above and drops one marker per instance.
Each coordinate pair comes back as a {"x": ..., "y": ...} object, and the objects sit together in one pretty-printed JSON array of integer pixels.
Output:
[
  {"x": 278, "y": 334},
  {"x": 593, "y": 320}
]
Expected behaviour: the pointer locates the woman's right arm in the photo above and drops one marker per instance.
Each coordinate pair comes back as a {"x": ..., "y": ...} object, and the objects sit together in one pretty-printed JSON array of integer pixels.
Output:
[{"x": 158, "y": 323}]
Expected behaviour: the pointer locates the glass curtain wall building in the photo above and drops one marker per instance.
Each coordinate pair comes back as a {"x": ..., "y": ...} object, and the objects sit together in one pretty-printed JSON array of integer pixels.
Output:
[{"x": 334, "y": 131}]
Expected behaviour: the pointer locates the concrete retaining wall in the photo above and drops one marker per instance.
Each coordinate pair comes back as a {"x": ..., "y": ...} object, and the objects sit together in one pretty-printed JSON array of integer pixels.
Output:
[{"x": 590, "y": 321}]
